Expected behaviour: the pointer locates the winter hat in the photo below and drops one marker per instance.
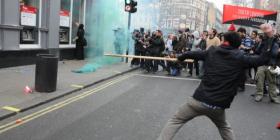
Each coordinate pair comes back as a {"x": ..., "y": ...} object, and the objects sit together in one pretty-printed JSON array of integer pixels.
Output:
[
  {"x": 231, "y": 27},
  {"x": 196, "y": 34}
]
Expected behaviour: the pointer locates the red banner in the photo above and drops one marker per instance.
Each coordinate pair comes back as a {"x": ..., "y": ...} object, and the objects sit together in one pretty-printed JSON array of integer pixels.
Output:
[{"x": 247, "y": 16}]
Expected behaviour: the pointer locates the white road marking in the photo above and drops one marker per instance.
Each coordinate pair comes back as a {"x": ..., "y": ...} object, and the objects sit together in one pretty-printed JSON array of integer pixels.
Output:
[{"x": 178, "y": 78}]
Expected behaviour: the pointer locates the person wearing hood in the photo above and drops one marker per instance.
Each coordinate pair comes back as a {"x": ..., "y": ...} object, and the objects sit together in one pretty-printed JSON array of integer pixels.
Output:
[
  {"x": 196, "y": 41},
  {"x": 80, "y": 43},
  {"x": 223, "y": 66},
  {"x": 195, "y": 47}
]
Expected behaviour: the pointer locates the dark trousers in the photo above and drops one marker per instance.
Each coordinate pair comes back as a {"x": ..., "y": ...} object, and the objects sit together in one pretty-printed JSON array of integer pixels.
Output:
[
  {"x": 137, "y": 61},
  {"x": 242, "y": 80},
  {"x": 152, "y": 65},
  {"x": 79, "y": 53},
  {"x": 149, "y": 63},
  {"x": 169, "y": 66},
  {"x": 196, "y": 65}
]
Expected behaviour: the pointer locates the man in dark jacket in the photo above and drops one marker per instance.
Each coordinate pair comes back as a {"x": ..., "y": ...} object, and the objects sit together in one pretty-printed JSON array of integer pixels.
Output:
[
  {"x": 223, "y": 67},
  {"x": 156, "y": 48},
  {"x": 265, "y": 73},
  {"x": 139, "y": 49}
]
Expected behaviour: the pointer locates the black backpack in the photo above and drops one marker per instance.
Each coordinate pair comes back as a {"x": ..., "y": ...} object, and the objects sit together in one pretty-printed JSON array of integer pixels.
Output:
[{"x": 84, "y": 42}]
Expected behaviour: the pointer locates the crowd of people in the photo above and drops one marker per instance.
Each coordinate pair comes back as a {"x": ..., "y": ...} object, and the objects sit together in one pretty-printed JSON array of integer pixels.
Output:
[{"x": 175, "y": 44}]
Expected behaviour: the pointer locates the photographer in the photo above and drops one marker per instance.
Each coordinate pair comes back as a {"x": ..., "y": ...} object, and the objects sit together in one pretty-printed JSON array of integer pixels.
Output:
[
  {"x": 139, "y": 49},
  {"x": 155, "y": 49}
]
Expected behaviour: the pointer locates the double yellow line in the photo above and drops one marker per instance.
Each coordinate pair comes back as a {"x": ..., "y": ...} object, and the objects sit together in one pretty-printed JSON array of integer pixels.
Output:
[{"x": 59, "y": 105}]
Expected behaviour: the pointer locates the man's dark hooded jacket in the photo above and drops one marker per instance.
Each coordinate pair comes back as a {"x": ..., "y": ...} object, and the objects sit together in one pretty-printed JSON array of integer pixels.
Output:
[{"x": 223, "y": 68}]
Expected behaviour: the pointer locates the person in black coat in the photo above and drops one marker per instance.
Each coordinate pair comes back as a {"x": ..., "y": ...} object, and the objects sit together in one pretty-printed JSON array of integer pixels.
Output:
[
  {"x": 218, "y": 87},
  {"x": 80, "y": 43},
  {"x": 139, "y": 49},
  {"x": 156, "y": 49}
]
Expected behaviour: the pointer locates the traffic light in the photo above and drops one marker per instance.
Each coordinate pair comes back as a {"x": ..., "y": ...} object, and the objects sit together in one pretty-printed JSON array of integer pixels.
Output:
[
  {"x": 127, "y": 7},
  {"x": 131, "y": 6}
]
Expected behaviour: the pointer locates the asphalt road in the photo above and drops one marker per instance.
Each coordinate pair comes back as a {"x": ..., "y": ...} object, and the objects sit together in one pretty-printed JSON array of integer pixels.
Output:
[{"x": 136, "y": 108}]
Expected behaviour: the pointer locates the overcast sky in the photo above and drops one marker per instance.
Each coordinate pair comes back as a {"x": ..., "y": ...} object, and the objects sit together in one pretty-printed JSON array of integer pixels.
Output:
[{"x": 220, "y": 3}]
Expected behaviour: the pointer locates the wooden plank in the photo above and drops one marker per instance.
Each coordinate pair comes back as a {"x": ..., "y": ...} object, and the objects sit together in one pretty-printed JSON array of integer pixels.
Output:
[{"x": 147, "y": 57}]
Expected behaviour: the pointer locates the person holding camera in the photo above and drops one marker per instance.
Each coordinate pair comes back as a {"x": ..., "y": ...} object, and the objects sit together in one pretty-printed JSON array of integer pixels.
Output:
[
  {"x": 155, "y": 49},
  {"x": 138, "y": 48}
]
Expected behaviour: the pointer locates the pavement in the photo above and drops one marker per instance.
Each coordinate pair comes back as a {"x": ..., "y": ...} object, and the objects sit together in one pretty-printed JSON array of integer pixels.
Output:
[
  {"x": 136, "y": 106},
  {"x": 14, "y": 80}
]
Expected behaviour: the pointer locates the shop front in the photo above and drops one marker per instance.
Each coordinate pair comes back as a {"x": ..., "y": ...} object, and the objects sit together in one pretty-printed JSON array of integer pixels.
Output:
[{"x": 28, "y": 27}]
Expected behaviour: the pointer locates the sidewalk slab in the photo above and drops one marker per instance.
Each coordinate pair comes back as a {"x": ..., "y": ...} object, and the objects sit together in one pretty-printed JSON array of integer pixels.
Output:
[{"x": 15, "y": 79}]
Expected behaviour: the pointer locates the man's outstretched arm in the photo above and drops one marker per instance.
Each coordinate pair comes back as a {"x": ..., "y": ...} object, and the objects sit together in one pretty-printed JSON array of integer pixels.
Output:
[
  {"x": 198, "y": 55},
  {"x": 265, "y": 58}
]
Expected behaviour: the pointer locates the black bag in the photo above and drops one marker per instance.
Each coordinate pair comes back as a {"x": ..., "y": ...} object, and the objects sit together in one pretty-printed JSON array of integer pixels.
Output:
[{"x": 84, "y": 42}]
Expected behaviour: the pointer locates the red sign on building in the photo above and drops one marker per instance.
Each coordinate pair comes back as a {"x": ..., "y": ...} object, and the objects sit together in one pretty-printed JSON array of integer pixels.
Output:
[
  {"x": 64, "y": 18},
  {"x": 28, "y": 15}
]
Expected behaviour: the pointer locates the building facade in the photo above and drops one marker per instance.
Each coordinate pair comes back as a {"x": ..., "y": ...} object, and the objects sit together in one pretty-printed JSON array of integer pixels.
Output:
[
  {"x": 148, "y": 11},
  {"x": 269, "y": 5},
  {"x": 244, "y": 3},
  {"x": 214, "y": 17},
  {"x": 29, "y": 27},
  {"x": 218, "y": 23},
  {"x": 181, "y": 14}
]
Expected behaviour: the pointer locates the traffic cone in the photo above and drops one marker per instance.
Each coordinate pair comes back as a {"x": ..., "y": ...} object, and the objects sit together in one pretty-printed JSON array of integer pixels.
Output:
[
  {"x": 278, "y": 126},
  {"x": 27, "y": 90}
]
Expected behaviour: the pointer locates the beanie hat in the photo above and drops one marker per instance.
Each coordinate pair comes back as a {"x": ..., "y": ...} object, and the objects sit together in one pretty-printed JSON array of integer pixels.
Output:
[{"x": 231, "y": 27}]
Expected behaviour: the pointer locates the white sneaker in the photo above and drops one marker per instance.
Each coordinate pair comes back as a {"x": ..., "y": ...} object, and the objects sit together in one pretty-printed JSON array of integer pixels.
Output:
[
  {"x": 277, "y": 91},
  {"x": 274, "y": 71}
]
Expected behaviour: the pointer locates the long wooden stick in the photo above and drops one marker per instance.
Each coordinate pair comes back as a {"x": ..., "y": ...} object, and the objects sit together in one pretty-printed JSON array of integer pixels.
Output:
[{"x": 147, "y": 57}]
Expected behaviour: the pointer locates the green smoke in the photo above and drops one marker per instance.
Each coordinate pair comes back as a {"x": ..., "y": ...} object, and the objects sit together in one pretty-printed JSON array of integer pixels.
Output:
[{"x": 106, "y": 32}]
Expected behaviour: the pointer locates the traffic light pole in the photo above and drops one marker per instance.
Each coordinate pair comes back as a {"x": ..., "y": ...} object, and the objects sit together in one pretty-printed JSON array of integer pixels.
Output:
[{"x": 128, "y": 35}]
